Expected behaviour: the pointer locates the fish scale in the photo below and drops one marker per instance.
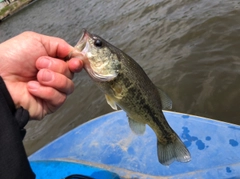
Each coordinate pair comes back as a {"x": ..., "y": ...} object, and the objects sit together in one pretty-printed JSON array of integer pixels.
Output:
[{"x": 125, "y": 84}]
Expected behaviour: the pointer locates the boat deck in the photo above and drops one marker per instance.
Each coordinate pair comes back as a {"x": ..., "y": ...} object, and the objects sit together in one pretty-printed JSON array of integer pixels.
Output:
[{"x": 107, "y": 143}]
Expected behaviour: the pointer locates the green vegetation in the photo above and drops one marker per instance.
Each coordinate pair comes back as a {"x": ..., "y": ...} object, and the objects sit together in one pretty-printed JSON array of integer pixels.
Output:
[
  {"x": 5, "y": 9},
  {"x": 10, "y": 8}
]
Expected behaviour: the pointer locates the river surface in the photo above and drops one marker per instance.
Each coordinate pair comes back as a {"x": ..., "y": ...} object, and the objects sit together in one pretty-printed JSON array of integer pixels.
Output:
[{"x": 190, "y": 48}]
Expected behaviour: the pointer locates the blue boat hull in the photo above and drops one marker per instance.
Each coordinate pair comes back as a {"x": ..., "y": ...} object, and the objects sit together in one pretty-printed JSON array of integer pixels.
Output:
[{"x": 107, "y": 144}]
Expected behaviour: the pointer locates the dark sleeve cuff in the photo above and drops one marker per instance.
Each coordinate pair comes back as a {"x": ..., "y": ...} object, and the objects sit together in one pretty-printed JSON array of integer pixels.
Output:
[
  {"x": 21, "y": 115},
  {"x": 13, "y": 159},
  {"x": 5, "y": 96}
]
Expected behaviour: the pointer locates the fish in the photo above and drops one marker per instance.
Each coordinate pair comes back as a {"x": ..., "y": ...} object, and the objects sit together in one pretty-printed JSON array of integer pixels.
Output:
[{"x": 126, "y": 85}]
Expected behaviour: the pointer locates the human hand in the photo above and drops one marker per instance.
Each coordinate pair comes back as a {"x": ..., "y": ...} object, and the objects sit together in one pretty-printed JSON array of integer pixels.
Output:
[{"x": 36, "y": 77}]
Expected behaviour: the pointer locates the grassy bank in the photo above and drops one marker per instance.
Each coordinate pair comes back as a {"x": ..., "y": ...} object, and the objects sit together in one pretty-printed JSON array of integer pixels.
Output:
[{"x": 13, "y": 7}]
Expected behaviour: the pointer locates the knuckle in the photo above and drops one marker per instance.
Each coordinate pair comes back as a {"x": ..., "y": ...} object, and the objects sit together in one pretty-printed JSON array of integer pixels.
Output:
[
  {"x": 56, "y": 97},
  {"x": 49, "y": 92},
  {"x": 27, "y": 33},
  {"x": 61, "y": 99},
  {"x": 61, "y": 67},
  {"x": 66, "y": 86},
  {"x": 71, "y": 88}
]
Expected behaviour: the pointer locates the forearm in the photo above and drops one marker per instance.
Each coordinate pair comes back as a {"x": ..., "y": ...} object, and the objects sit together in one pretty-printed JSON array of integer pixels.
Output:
[{"x": 13, "y": 158}]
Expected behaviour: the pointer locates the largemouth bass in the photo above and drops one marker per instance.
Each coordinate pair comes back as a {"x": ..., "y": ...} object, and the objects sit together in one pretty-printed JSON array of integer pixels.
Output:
[{"x": 125, "y": 84}]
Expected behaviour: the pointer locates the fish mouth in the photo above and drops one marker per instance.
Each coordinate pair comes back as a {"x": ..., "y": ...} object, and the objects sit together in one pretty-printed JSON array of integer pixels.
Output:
[
  {"x": 81, "y": 47},
  {"x": 82, "y": 44},
  {"x": 84, "y": 47}
]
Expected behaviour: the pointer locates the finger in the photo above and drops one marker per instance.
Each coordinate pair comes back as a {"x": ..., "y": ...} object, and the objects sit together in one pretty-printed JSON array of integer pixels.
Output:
[
  {"x": 55, "y": 80},
  {"x": 53, "y": 98},
  {"x": 53, "y": 64},
  {"x": 55, "y": 47},
  {"x": 75, "y": 65}
]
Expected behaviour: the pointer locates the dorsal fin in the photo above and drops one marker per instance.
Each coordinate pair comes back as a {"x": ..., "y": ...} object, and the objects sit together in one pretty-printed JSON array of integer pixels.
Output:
[{"x": 165, "y": 99}]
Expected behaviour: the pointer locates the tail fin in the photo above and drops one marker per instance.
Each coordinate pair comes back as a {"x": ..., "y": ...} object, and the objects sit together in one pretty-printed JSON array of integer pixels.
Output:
[{"x": 172, "y": 151}]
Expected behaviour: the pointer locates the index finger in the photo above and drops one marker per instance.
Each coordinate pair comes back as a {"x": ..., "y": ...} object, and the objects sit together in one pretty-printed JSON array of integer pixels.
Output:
[{"x": 55, "y": 47}]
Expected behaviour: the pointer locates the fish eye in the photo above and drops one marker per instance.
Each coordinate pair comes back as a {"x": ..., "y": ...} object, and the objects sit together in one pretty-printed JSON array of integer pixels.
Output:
[{"x": 98, "y": 43}]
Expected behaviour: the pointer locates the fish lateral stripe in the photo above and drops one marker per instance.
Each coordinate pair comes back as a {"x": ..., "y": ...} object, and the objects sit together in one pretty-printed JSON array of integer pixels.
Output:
[{"x": 127, "y": 85}]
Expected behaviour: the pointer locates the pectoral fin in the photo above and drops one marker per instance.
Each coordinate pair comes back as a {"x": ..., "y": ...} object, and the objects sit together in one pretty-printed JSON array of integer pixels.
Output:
[
  {"x": 137, "y": 127},
  {"x": 166, "y": 101},
  {"x": 111, "y": 102}
]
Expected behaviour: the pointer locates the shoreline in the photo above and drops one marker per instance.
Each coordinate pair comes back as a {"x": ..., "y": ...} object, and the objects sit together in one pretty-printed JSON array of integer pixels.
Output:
[{"x": 12, "y": 8}]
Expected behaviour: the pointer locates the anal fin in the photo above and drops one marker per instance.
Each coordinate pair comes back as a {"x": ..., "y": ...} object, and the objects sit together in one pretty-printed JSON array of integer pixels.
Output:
[{"x": 137, "y": 127}]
